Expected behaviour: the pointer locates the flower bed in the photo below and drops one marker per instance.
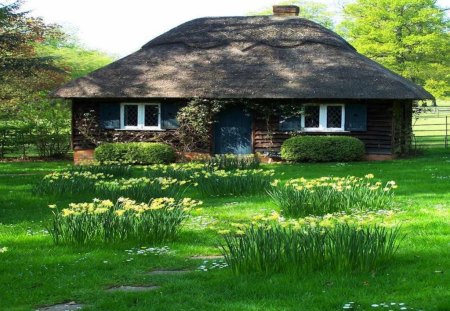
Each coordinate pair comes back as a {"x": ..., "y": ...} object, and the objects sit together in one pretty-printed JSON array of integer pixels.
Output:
[
  {"x": 233, "y": 183},
  {"x": 336, "y": 242},
  {"x": 105, "y": 221},
  {"x": 61, "y": 183},
  {"x": 141, "y": 189},
  {"x": 301, "y": 197}
]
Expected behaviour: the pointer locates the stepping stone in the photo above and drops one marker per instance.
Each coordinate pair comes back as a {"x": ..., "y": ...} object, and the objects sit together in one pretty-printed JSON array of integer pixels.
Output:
[
  {"x": 207, "y": 257},
  {"x": 126, "y": 288},
  {"x": 70, "y": 306},
  {"x": 168, "y": 272}
]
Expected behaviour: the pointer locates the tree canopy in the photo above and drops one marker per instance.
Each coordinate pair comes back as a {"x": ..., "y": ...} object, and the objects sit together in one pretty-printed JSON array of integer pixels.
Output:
[
  {"x": 36, "y": 57},
  {"x": 410, "y": 37}
]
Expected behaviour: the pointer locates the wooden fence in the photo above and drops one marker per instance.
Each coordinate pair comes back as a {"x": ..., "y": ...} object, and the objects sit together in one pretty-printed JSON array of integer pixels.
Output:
[{"x": 431, "y": 127}]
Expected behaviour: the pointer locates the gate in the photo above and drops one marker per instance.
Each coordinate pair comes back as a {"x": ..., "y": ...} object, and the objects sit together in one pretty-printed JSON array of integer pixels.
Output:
[{"x": 431, "y": 127}]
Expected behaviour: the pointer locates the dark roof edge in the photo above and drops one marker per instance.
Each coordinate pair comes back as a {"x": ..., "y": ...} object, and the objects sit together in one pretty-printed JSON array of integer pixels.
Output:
[{"x": 413, "y": 87}]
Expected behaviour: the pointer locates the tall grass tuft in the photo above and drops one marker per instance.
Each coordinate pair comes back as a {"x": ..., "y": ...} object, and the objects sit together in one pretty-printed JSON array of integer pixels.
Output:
[
  {"x": 141, "y": 189},
  {"x": 234, "y": 183},
  {"x": 301, "y": 197},
  {"x": 68, "y": 182},
  {"x": 275, "y": 248},
  {"x": 103, "y": 221},
  {"x": 117, "y": 170},
  {"x": 230, "y": 162},
  {"x": 180, "y": 171}
]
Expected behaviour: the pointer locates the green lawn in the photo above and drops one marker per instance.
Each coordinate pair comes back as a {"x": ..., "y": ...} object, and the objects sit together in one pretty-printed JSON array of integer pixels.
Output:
[{"x": 36, "y": 273}]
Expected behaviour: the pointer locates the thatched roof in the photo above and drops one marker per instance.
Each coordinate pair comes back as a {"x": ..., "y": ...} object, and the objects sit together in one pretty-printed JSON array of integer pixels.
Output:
[{"x": 245, "y": 57}]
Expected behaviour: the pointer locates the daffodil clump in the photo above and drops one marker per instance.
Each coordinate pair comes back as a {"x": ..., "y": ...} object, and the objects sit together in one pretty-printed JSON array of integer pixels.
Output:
[
  {"x": 141, "y": 189},
  {"x": 185, "y": 171},
  {"x": 338, "y": 242},
  {"x": 104, "y": 221},
  {"x": 69, "y": 182},
  {"x": 116, "y": 169},
  {"x": 302, "y": 197},
  {"x": 359, "y": 219},
  {"x": 230, "y": 162},
  {"x": 181, "y": 171},
  {"x": 233, "y": 183}
]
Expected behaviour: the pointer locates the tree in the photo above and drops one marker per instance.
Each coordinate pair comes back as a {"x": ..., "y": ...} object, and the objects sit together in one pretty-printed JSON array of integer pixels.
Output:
[
  {"x": 315, "y": 11},
  {"x": 24, "y": 74},
  {"x": 36, "y": 58},
  {"x": 410, "y": 37},
  {"x": 70, "y": 55}
]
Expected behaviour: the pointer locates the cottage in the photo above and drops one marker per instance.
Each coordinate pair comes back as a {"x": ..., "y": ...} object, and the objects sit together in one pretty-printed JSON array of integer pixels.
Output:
[{"x": 261, "y": 59}]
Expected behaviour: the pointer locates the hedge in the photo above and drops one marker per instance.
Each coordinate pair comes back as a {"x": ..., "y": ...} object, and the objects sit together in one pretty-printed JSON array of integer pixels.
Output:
[
  {"x": 322, "y": 149},
  {"x": 135, "y": 153}
]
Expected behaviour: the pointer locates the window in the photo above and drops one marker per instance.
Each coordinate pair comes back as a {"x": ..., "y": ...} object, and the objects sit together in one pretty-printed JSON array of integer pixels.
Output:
[
  {"x": 324, "y": 117},
  {"x": 140, "y": 116},
  {"x": 312, "y": 116}
]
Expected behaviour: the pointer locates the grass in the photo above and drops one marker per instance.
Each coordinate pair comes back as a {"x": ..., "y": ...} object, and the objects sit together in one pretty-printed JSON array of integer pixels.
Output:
[{"x": 34, "y": 272}]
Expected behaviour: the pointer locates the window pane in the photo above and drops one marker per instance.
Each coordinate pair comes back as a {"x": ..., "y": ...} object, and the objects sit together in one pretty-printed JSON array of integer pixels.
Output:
[
  {"x": 312, "y": 116},
  {"x": 151, "y": 115},
  {"x": 334, "y": 116},
  {"x": 131, "y": 115}
]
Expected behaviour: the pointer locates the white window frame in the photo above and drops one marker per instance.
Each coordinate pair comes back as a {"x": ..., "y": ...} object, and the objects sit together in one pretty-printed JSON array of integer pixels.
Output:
[
  {"x": 323, "y": 119},
  {"x": 141, "y": 117}
]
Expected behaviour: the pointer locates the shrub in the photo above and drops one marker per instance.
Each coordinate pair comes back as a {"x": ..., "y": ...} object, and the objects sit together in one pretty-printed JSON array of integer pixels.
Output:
[
  {"x": 284, "y": 247},
  {"x": 141, "y": 189},
  {"x": 301, "y": 197},
  {"x": 108, "y": 152},
  {"x": 135, "y": 153},
  {"x": 229, "y": 162},
  {"x": 103, "y": 221},
  {"x": 322, "y": 149}
]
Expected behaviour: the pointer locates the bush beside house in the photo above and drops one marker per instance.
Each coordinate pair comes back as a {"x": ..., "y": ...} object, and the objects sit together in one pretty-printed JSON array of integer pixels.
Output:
[
  {"x": 136, "y": 153},
  {"x": 322, "y": 149}
]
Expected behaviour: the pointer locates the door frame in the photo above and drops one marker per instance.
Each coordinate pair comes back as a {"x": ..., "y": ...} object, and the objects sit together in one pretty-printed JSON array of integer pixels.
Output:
[{"x": 252, "y": 131}]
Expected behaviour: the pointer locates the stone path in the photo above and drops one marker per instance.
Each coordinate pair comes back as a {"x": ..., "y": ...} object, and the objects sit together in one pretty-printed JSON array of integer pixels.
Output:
[{"x": 70, "y": 306}]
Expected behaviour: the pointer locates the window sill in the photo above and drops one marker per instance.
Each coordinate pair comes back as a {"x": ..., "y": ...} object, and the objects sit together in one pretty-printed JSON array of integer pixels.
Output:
[
  {"x": 317, "y": 131},
  {"x": 324, "y": 131},
  {"x": 143, "y": 130}
]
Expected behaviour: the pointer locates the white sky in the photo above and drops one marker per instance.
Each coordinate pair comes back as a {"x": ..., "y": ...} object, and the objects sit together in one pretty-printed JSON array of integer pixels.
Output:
[{"x": 122, "y": 27}]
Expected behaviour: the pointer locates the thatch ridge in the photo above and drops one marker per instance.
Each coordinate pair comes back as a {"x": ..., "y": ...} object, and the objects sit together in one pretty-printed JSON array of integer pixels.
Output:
[
  {"x": 208, "y": 32},
  {"x": 245, "y": 57}
]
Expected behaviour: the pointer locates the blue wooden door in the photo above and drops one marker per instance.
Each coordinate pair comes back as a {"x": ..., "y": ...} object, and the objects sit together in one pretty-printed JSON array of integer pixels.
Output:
[{"x": 233, "y": 132}]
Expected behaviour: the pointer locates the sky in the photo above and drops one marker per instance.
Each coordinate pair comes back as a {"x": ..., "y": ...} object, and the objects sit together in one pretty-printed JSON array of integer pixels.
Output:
[{"x": 122, "y": 27}]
